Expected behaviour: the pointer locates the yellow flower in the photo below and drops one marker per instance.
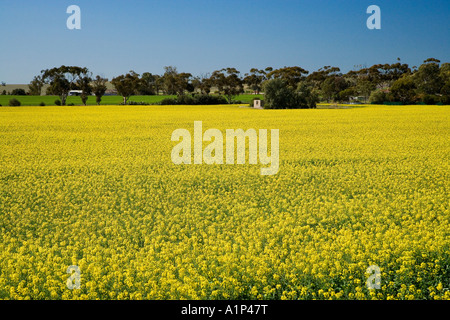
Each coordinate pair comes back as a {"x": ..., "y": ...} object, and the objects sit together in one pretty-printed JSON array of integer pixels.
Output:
[{"x": 95, "y": 187}]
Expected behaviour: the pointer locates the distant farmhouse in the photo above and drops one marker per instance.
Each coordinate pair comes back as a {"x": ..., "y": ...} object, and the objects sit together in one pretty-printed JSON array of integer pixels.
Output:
[{"x": 75, "y": 92}]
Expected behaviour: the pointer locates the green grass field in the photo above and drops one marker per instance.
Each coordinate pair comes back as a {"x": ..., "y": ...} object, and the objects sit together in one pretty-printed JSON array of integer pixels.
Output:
[{"x": 106, "y": 100}]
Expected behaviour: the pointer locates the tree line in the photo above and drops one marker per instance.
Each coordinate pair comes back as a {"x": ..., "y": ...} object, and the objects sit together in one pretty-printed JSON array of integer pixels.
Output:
[{"x": 287, "y": 87}]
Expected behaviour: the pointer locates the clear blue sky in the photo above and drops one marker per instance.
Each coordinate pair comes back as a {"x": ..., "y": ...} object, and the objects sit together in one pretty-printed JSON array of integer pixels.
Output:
[{"x": 200, "y": 36}]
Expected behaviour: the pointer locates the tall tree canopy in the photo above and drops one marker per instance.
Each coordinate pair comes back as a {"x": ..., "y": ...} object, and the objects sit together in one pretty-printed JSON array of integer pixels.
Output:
[
  {"x": 228, "y": 82},
  {"x": 99, "y": 88},
  {"x": 63, "y": 79},
  {"x": 291, "y": 75},
  {"x": 127, "y": 85}
]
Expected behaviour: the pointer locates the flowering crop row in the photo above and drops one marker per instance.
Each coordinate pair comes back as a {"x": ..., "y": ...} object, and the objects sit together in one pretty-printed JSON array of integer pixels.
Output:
[{"x": 95, "y": 187}]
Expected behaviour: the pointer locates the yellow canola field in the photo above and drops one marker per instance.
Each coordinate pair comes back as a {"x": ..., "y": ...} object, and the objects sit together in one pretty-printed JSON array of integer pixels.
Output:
[{"x": 95, "y": 187}]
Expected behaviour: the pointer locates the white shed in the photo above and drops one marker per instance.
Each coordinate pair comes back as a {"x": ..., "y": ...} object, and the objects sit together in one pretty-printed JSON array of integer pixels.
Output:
[{"x": 258, "y": 104}]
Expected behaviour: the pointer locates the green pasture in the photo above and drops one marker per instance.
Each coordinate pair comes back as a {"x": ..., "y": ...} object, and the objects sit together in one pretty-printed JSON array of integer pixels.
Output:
[{"x": 106, "y": 100}]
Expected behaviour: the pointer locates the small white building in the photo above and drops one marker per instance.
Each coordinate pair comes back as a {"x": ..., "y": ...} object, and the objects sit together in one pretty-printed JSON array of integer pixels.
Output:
[
  {"x": 75, "y": 92},
  {"x": 258, "y": 104}
]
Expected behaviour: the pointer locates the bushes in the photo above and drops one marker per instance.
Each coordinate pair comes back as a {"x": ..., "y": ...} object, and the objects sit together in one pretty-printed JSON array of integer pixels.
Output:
[
  {"x": 14, "y": 102},
  {"x": 429, "y": 99},
  {"x": 133, "y": 103},
  {"x": 18, "y": 92},
  {"x": 206, "y": 99},
  {"x": 378, "y": 97},
  {"x": 445, "y": 100},
  {"x": 202, "y": 99},
  {"x": 168, "y": 101},
  {"x": 42, "y": 104},
  {"x": 57, "y": 102},
  {"x": 306, "y": 98},
  {"x": 346, "y": 94},
  {"x": 406, "y": 97},
  {"x": 185, "y": 100}
]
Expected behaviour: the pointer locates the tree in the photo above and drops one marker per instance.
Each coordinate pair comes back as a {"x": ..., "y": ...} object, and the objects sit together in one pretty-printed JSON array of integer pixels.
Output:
[
  {"x": 306, "y": 96},
  {"x": 427, "y": 78},
  {"x": 176, "y": 83},
  {"x": 291, "y": 75},
  {"x": 159, "y": 84},
  {"x": 332, "y": 86},
  {"x": 383, "y": 75},
  {"x": 98, "y": 86},
  {"x": 196, "y": 83},
  {"x": 317, "y": 78},
  {"x": 35, "y": 86},
  {"x": 204, "y": 83},
  {"x": 148, "y": 84},
  {"x": 255, "y": 79},
  {"x": 346, "y": 94},
  {"x": 365, "y": 87},
  {"x": 378, "y": 96},
  {"x": 170, "y": 80},
  {"x": 127, "y": 85},
  {"x": 63, "y": 79},
  {"x": 403, "y": 90},
  {"x": 280, "y": 95},
  {"x": 182, "y": 83},
  {"x": 83, "y": 84},
  {"x": 444, "y": 73},
  {"x": 228, "y": 82},
  {"x": 379, "y": 76}
]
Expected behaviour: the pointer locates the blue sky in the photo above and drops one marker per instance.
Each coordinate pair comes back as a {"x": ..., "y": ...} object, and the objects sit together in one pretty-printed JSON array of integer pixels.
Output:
[{"x": 200, "y": 36}]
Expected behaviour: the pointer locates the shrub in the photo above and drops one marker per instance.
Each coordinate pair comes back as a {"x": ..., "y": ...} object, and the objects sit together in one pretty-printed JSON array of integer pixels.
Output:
[
  {"x": 206, "y": 99},
  {"x": 71, "y": 104},
  {"x": 14, "y": 102},
  {"x": 18, "y": 92},
  {"x": 57, "y": 102},
  {"x": 346, "y": 94},
  {"x": 202, "y": 99},
  {"x": 429, "y": 99},
  {"x": 42, "y": 104},
  {"x": 168, "y": 101},
  {"x": 306, "y": 97},
  {"x": 134, "y": 103},
  {"x": 378, "y": 97},
  {"x": 445, "y": 100},
  {"x": 185, "y": 100}
]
